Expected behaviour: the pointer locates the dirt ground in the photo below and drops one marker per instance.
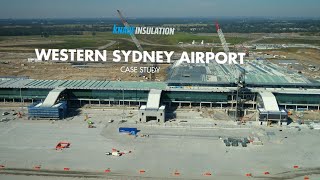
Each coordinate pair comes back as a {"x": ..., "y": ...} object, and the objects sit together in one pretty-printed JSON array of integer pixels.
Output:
[
  {"x": 305, "y": 115},
  {"x": 16, "y": 64},
  {"x": 305, "y": 57},
  {"x": 191, "y": 145},
  {"x": 15, "y": 51}
]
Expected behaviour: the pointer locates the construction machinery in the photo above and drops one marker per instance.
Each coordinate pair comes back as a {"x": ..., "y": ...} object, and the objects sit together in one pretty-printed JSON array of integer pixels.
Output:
[
  {"x": 62, "y": 145},
  {"x": 242, "y": 48},
  {"x": 116, "y": 152},
  {"x": 222, "y": 39},
  {"x": 90, "y": 124},
  {"x": 136, "y": 42},
  {"x": 133, "y": 37},
  {"x": 237, "y": 71},
  {"x": 245, "y": 50}
]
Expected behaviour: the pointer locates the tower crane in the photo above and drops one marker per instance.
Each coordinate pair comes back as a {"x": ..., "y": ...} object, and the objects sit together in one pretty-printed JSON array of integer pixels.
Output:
[
  {"x": 237, "y": 72},
  {"x": 222, "y": 39},
  {"x": 133, "y": 37},
  {"x": 135, "y": 40}
]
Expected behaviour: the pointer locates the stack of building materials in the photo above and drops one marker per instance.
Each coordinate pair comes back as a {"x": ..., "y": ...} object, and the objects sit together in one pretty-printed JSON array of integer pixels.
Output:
[{"x": 57, "y": 111}]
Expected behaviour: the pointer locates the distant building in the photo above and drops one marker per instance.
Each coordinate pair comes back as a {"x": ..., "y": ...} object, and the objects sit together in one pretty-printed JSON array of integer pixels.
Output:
[
  {"x": 267, "y": 46},
  {"x": 287, "y": 62}
]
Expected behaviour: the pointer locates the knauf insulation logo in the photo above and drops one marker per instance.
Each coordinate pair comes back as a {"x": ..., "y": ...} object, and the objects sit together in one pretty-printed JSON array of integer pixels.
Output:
[{"x": 143, "y": 30}]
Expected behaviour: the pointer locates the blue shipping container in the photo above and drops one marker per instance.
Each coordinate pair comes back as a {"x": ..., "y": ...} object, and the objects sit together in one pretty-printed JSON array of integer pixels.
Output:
[{"x": 132, "y": 131}]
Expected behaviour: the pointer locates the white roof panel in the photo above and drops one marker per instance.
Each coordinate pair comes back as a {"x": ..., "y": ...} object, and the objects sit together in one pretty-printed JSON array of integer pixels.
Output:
[
  {"x": 269, "y": 101},
  {"x": 154, "y": 99}
]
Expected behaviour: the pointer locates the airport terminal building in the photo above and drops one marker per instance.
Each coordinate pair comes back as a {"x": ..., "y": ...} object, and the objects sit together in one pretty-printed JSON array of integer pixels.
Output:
[{"x": 268, "y": 90}]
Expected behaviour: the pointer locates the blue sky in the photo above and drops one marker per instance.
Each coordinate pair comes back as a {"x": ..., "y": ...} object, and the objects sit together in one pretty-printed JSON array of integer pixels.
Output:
[{"x": 157, "y": 8}]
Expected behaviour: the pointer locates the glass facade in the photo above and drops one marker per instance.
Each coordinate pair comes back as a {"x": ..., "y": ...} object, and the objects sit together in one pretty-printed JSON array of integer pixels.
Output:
[
  {"x": 297, "y": 98},
  {"x": 25, "y": 93},
  {"x": 194, "y": 96},
  {"x": 142, "y": 95},
  {"x": 108, "y": 94}
]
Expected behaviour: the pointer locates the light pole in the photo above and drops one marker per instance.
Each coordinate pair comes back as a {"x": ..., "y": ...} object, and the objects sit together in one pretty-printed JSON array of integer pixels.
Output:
[{"x": 20, "y": 96}]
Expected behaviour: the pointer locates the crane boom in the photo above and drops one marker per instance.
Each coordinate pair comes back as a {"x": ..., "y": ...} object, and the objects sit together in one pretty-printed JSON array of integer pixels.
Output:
[
  {"x": 133, "y": 37},
  {"x": 226, "y": 49},
  {"x": 136, "y": 42},
  {"x": 222, "y": 39},
  {"x": 237, "y": 72}
]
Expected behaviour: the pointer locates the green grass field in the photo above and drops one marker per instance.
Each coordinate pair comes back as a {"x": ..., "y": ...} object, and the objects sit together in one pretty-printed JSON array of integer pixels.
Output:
[
  {"x": 188, "y": 38},
  {"x": 289, "y": 41},
  {"x": 89, "y": 41}
]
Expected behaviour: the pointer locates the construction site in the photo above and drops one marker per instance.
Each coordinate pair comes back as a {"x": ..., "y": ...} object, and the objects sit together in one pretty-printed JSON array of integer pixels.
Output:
[{"x": 259, "y": 119}]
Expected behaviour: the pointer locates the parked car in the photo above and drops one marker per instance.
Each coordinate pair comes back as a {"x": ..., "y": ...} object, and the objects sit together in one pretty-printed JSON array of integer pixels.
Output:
[
  {"x": 246, "y": 140},
  {"x": 5, "y": 113},
  {"x": 4, "y": 120},
  {"x": 234, "y": 143}
]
